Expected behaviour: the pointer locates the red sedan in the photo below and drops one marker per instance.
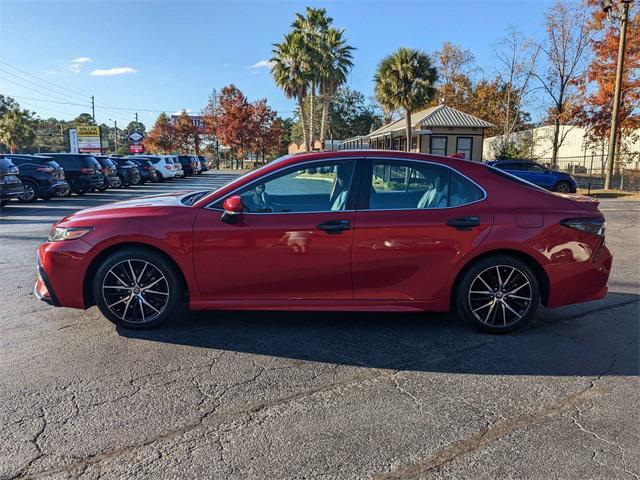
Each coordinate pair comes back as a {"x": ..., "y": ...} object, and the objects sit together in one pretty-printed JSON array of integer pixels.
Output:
[{"x": 360, "y": 230}]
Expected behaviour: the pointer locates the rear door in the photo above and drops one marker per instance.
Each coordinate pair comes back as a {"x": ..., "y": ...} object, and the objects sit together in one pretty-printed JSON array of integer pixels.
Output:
[{"x": 415, "y": 220}]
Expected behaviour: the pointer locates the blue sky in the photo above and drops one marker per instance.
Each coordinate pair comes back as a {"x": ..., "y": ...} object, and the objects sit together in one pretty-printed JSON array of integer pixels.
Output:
[{"x": 169, "y": 55}]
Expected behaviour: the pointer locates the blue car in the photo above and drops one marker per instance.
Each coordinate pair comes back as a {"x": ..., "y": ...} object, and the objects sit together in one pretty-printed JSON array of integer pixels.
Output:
[{"x": 538, "y": 175}]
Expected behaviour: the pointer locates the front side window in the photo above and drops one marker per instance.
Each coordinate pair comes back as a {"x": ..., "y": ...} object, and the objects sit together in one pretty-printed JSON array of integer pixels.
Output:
[
  {"x": 464, "y": 145},
  {"x": 404, "y": 185},
  {"x": 320, "y": 187},
  {"x": 439, "y": 145}
]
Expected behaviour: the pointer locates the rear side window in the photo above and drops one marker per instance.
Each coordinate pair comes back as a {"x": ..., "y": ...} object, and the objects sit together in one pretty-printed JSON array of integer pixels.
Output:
[
  {"x": 91, "y": 162},
  {"x": 398, "y": 185}
]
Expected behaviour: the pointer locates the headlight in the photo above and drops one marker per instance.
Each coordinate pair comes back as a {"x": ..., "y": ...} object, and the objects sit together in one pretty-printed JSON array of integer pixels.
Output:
[{"x": 58, "y": 234}]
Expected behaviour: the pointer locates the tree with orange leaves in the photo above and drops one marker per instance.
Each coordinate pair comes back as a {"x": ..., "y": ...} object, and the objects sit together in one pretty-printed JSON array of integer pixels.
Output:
[{"x": 598, "y": 86}]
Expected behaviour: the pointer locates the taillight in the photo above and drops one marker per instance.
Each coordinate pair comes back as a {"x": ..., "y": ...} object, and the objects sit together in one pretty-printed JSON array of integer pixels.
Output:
[
  {"x": 90, "y": 171},
  {"x": 594, "y": 226},
  {"x": 45, "y": 169}
]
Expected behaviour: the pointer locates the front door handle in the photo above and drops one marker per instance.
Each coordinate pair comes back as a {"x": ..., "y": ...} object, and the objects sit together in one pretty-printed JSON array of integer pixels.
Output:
[
  {"x": 463, "y": 223},
  {"x": 334, "y": 226}
]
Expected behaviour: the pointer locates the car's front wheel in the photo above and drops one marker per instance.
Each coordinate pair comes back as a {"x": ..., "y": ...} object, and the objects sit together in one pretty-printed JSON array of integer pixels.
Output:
[
  {"x": 138, "y": 288},
  {"x": 498, "y": 294}
]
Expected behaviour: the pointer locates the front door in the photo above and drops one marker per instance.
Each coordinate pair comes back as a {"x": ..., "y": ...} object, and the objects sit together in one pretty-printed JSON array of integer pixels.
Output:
[
  {"x": 292, "y": 243},
  {"x": 416, "y": 222}
]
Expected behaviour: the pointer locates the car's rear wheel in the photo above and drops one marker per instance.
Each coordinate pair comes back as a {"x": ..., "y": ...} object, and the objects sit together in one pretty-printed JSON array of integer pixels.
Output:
[
  {"x": 498, "y": 294},
  {"x": 3, "y": 203},
  {"x": 138, "y": 288},
  {"x": 30, "y": 192},
  {"x": 117, "y": 182},
  {"x": 563, "y": 187}
]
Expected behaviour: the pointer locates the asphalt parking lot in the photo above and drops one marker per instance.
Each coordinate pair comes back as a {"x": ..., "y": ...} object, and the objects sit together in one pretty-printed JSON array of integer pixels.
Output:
[{"x": 298, "y": 395}]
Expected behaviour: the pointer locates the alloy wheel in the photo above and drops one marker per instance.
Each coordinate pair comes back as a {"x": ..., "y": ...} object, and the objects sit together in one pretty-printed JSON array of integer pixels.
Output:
[
  {"x": 500, "y": 296},
  {"x": 135, "y": 291},
  {"x": 563, "y": 187},
  {"x": 28, "y": 193}
]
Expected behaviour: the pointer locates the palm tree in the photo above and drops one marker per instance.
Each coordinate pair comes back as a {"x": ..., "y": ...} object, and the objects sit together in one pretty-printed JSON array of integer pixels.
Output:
[
  {"x": 290, "y": 72},
  {"x": 312, "y": 27},
  {"x": 335, "y": 63},
  {"x": 405, "y": 79}
]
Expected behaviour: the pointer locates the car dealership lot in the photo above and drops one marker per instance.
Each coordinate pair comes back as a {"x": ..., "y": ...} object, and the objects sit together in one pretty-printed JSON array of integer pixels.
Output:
[{"x": 314, "y": 395}]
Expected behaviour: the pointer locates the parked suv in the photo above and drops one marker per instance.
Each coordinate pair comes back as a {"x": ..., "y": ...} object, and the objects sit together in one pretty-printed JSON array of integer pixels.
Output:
[
  {"x": 109, "y": 173},
  {"x": 177, "y": 166},
  {"x": 189, "y": 164},
  {"x": 164, "y": 169},
  {"x": 10, "y": 184},
  {"x": 41, "y": 177},
  {"x": 203, "y": 163},
  {"x": 538, "y": 174},
  {"x": 127, "y": 171},
  {"x": 146, "y": 168},
  {"x": 83, "y": 172}
]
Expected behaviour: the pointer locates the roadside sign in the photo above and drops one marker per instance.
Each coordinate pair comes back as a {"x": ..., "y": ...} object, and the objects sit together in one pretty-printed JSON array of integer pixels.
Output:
[
  {"x": 89, "y": 139},
  {"x": 135, "y": 137},
  {"x": 73, "y": 140},
  {"x": 136, "y": 148}
]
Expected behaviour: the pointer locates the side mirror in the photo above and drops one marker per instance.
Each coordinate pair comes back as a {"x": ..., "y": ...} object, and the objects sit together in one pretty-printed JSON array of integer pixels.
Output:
[{"x": 233, "y": 209}]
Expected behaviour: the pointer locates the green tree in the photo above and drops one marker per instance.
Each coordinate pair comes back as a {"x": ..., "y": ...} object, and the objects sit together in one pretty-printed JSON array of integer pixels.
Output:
[
  {"x": 335, "y": 63},
  {"x": 7, "y": 103},
  {"x": 17, "y": 130},
  {"x": 313, "y": 28},
  {"x": 83, "y": 119},
  {"x": 290, "y": 72},
  {"x": 405, "y": 79}
]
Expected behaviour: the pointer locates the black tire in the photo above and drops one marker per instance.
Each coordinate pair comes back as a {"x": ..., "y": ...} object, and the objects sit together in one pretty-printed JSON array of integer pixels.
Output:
[
  {"x": 488, "y": 306},
  {"x": 120, "y": 183},
  {"x": 103, "y": 187},
  {"x": 3, "y": 203},
  {"x": 160, "y": 177},
  {"x": 79, "y": 192},
  {"x": 31, "y": 192},
  {"x": 563, "y": 187},
  {"x": 156, "y": 271}
]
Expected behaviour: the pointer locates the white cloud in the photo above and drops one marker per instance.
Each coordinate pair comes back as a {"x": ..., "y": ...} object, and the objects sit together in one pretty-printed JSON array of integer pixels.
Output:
[
  {"x": 262, "y": 64},
  {"x": 109, "y": 72},
  {"x": 75, "y": 65},
  {"x": 179, "y": 112}
]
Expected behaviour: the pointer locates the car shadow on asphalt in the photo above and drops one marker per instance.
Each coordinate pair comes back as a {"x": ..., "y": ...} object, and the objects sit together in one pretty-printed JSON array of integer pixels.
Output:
[{"x": 600, "y": 338}]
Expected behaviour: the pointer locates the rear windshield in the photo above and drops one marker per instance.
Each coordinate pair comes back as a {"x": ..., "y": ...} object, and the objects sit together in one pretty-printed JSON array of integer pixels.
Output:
[{"x": 92, "y": 162}]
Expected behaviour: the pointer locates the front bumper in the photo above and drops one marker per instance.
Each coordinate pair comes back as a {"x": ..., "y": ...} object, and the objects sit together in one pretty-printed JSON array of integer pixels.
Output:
[{"x": 10, "y": 190}]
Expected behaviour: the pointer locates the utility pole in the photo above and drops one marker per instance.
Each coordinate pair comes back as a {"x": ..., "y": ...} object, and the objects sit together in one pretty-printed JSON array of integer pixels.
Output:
[
  {"x": 93, "y": 108},
  {"x": 136, "y": 120},
  {"x": 607, "y": 7},
  {"x": 115, "y": 137}
]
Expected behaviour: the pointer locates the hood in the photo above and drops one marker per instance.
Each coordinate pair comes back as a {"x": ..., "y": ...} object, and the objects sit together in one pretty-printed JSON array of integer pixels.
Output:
[{"x": 141, "y": 206}]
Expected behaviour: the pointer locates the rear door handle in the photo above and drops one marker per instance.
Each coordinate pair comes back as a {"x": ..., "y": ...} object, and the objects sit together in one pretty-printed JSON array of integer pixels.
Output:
[
  {"x": 463, "y": 223},
  {"x": 334, "y": 226}
]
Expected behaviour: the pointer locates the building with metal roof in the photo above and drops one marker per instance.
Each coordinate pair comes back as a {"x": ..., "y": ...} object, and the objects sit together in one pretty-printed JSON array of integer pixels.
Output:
[{"x": 440, "y": 130}]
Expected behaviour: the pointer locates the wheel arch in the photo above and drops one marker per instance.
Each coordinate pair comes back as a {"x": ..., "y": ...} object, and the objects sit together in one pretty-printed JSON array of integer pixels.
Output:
[
  {"x": 541, "y": 275},
  {"x": 90, "y": 272}
]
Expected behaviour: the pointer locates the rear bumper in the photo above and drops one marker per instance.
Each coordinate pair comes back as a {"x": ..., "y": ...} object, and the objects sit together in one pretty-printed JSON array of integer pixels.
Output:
[
  {"x": 579, "y": 282},
  {"x": 57, "y": 188}
]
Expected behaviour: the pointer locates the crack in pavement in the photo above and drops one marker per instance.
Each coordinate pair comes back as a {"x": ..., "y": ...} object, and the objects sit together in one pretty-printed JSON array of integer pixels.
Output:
[{"x": 490, "y": 434}]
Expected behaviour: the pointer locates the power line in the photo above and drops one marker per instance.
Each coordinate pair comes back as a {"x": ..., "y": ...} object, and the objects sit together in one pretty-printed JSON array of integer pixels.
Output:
[
  {"x": 40, "y": 86},
  {"x": 51, "y": 101},
  {"x": 44, "y": 80},
  {"x": 32, "y": 89}
]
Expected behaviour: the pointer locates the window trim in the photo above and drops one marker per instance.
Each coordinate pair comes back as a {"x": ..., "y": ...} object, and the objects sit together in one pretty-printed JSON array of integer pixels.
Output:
[
  {"x": 362, "y": 204},
  {"x": 446, "y": 144},
  {"x": 354, "y": 189},
  {"x": 470, "y": 148}
]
